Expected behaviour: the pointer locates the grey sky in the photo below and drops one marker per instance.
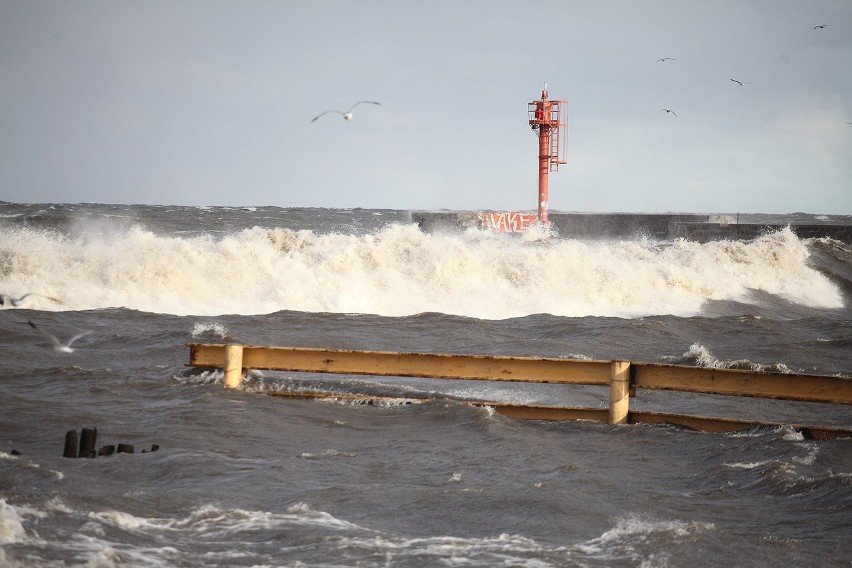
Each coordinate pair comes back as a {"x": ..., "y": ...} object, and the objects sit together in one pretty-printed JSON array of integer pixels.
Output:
[{"x": 210, "y": 102}]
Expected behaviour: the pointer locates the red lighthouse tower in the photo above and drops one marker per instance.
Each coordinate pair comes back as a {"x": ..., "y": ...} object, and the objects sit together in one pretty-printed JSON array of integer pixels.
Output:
[{"x": 545, "y": 120}]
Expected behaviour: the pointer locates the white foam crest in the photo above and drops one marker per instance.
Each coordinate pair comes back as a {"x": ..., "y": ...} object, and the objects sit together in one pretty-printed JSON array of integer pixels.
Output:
[
  {"x": 790, "y": 434},
  {"x": 401, "y": 271},
  {"x": 304, "y": 514},
  {"x": 8, "y": 561},
  {"x": 206, "y": 377},
  {"x": 209, "y": 522},
  {"x": 810, "y": 456},
  {"x": 632, "y": 529},
  {"x": 636, "y": 525},
  {"x": 539, "y": 232},
  {"x": 212, "y": 521},
  {"x": 11, "y": 526},
  {"x": 124, "y": 520},
  {"x": 331, "y": 452},
  {"x": 700, "y": 356},
  {"x": 377, "y": 402},
  {"x": 58, "y": 475},
  {"x": 777, "y": 263},
  {"x": 57, "y": 505},
  {"x": 750, "y": 465},
  {"x": 210, "y": 329},
  {"x": 506, "y": 549}
]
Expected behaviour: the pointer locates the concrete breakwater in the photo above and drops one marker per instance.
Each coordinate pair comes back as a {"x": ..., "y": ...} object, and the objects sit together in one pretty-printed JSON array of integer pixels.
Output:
[
  {"x": 704, "y": 232},
  {"x": 663, "y": 226}
]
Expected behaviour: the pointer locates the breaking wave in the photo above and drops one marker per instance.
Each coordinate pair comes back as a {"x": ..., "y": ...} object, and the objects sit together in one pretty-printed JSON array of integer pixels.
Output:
[{"x": 399, "y": 270}]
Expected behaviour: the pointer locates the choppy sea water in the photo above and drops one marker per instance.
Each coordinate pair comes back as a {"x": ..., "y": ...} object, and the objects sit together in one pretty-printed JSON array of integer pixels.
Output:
[{"x": 242, "y": 478}]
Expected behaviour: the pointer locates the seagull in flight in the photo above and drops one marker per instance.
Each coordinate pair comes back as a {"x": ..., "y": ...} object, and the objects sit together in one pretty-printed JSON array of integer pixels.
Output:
[
  {"x": 7, "y": 299},
  {"x": 348, "y": 114},
  {"x": 668, "y": 110},
  {"x": 664, "y": 59},
  {"x": 741, "y": 83},
  {"x": 57, "y": 345},
  {"x": 820, "y": 27}
]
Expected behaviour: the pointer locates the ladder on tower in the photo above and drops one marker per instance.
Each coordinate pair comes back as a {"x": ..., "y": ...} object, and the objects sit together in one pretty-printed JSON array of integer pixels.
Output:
[
  {"x": 554, "y": 150},
  {"x": 557, "y": 142}
]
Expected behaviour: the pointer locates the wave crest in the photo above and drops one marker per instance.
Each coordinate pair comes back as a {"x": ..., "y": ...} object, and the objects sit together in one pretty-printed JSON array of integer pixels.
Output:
[{"x": 399, "y": 271}]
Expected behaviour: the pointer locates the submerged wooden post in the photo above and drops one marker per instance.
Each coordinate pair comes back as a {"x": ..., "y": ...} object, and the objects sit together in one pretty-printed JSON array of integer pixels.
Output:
[
  {"x": 233, "y": 366},
  {"x": 619, "y": 392},
  {"x": 70, "y": 444},
  {"x": 88, "y": 438}
]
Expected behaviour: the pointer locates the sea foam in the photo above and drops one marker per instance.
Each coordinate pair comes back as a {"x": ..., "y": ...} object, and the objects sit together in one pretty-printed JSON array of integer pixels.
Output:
[
  {"x": 400, "y": 271},
  {"x": 11, "y": 526}
]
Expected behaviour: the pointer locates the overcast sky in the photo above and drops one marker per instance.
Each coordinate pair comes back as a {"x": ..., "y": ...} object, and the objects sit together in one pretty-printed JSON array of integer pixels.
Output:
[{"x": 210, "y": 102}]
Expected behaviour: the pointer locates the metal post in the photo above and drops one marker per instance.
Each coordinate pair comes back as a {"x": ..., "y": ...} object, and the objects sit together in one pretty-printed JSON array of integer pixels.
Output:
[
  {"x": 619, "y": 392},
  {"x": 233, "y": 366}
]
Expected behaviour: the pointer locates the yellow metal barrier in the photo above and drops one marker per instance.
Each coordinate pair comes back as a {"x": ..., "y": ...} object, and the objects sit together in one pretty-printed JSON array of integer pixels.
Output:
[{"x": 622, "y": 377}]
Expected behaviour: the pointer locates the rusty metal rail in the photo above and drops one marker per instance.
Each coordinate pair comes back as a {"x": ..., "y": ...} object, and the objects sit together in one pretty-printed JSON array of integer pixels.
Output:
[{"x": 622, "y": 377}]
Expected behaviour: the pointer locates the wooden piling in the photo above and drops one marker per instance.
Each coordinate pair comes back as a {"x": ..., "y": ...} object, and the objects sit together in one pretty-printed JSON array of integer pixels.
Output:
[
  {"x": 88, "y": 438},
  {"x": 70, "y": 450}
]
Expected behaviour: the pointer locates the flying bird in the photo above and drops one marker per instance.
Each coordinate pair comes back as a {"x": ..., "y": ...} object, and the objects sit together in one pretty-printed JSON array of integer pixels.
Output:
[
  {"x": 741, "y": 83},
  {"x": 820, "y": 27},
  {"x": 57, "y": 345},
  {"x": 346, "y": 115},
  {"x": 664, "y": 59},
  {"x": 668, "y": 110},
  {"x": 7, "y": 299}
]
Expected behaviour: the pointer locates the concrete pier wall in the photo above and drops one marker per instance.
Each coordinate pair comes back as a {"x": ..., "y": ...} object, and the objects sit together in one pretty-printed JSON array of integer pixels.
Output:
[
  {"x": 705, "y": 232},
  {"x": 663, "y": 226},
  {"x": 619, "y": 225}
]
